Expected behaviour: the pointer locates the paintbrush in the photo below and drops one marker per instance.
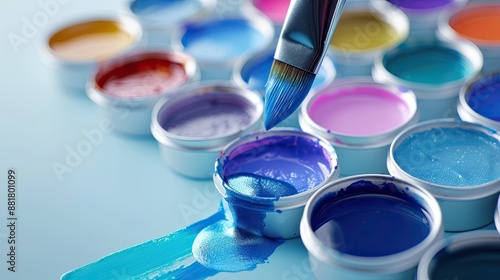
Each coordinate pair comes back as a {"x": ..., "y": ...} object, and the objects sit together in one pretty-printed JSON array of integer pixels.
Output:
[{"x": 302, "y": 45}]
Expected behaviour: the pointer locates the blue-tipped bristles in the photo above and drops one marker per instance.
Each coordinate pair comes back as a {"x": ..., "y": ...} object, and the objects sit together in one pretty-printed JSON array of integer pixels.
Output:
[{"x": 286, "y": 88}]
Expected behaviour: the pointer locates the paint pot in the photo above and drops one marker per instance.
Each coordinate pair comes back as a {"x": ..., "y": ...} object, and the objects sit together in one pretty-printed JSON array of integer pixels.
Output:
[
  {"x": 253, "y": 71},
  {"x": 127, "y": 87},
  {"x": 75, "y": 48},
  {"x": 497, "y": 215},
  {"x": 199, "y": 120},
  {"x": 217, "y": 44},
  {"x": 267, "y": 177},
  {"x": 458, "y": 162},
  {"x": 360, "y": 118},
  {"x": 159, "y": 17},
  {"x": 468, "y": 255},
  {"x": 434, "y": 69},
  {"x": 362, "y": 32},
  {"x": 423, "y": 14},
  {"x": 274, "y": 10},
  {"x": 477, "y": 22},
  {"x": 369, "y": 227},
  {"x": 479, "y": 101}
]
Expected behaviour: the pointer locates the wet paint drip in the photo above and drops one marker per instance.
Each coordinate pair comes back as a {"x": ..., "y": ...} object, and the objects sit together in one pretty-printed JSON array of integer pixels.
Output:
[
  {"x": 165, "y": 13},
  {"x": 420, "y": 4},
  {"x": 93, "y": 40},
  {"x": 199, "y": 251},
  {"x": 147, "y": 77},
  {"x": 479, "y": 262},
  {"x": 428, "y": 64},
  {"x": 359, "y": 111},
  {"x": 223, "y": 40},
  {"x": 209, "y": 116},
  {"x": 484, "y": 97},
  {"x": 368, "y": 220},
  {"x": 450, "y": 156},
  {"x": 295, "y": 161},
  {"x": 255, "y": 185},
  {"x": 275, "y": 10},
  {"x": 363, "y": 31},
  {"x": 478, "y": 24}
]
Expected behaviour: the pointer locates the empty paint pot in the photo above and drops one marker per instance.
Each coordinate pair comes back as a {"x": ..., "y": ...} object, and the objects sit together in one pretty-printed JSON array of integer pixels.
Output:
[
  {"x": 74, "y": 48},
  {"x": 127, "y": 87},
  {"x": 458, "y": 162},
  {"x": 192, "y": 126},
  {"x": 468, "y": 255},
  {"x": 369, "y": 227},
  {"x": 479, "y": 101},
  {"x": 434, "y": 70},
  {"x": 360, "y": 118},
  {"x": 267, "y": 177}
]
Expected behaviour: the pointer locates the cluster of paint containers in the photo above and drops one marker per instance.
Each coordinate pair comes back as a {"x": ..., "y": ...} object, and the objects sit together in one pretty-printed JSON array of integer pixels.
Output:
[{"x": 395, "y": 144}]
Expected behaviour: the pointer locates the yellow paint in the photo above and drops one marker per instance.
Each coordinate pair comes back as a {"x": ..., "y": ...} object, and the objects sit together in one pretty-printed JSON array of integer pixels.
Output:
[
  {"x": 359, "y": 31},
  {"x": 92, "y": 40}
]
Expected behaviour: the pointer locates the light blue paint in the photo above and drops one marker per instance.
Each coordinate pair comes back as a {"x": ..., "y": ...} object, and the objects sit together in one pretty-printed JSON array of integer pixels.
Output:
[
  {"x": 450, "y": 156},
  {"x": 432, "y": 64},
  {"x": 165, "y": 12},
  {"x": 223, "y": 40}
]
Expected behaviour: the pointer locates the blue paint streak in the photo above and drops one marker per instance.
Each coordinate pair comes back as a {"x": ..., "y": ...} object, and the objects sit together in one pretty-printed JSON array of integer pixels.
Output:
[
  {"x": 450, "y": 156},
  {"x": 193, "y": 271},
  {"x": 165, "y": 12},
  {"x": 369, "y": 220},
  {"x": 484, "y": 97},
  {"x": 427, "y": 64}
]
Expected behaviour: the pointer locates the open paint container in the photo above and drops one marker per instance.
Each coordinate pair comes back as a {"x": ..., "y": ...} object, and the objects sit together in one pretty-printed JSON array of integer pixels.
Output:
[
  {"x": 458, "y": 162},
  {"x": 127, "y": 87},
  {"x": 434, "y": 69},
  {"x": 422, "y": 14},
  {"x": 267, "y": 177},
  {"x": 369, "y": 227},
  {"x": 468, "y": 255},
  {"x": 159, "y": 17},
  {"x": 252, "y": 72},
  {"x": 216, "y": 44},
  {"x": 275, "y": 10},
  {"x": 75, "y": 48},
  {"x": 360, "y": 118},
  {"x": 362, "y": 32},
  {"x": 477, "y": 22},
  {"x": 192, "y": 126},
  {"x": 479, "y": 101}
]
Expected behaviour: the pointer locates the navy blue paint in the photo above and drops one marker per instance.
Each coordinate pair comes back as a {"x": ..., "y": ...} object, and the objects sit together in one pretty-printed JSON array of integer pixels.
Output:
[
  {"x": 484, "y": 97},
  {"x": 365, "y": 219}
]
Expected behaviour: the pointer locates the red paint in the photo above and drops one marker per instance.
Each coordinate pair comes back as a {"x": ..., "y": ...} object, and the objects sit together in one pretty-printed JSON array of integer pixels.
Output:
[{"x": 142, "y": 75}]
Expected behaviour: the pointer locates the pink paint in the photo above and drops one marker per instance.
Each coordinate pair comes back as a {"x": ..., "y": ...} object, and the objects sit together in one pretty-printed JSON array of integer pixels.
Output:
[
  {"x": 359, "y": 111},
  {"x": 274, "y": 9}
]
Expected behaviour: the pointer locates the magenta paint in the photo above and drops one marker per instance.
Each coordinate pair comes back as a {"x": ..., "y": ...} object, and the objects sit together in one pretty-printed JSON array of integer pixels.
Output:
[
  {"x": 359, "y": 110},
  {"x": 274, "y": 10}
]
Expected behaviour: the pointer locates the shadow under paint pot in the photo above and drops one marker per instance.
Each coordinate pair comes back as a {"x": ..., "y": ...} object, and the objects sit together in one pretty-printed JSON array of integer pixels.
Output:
[
  {"x": 192, "y": 126},
  {"x": 434, "y": 70},
  {"x": 127, "y": 87},
  {"x": 369, "y": 227},
  {"x": 479, "y": 101},
  {"x": 266, "y": 178},
  {"x": 74, "y": 48},
  {"x": 360, "y": 118},
  {"x": 458, "y": 162},
  {"x": 469, "y": 255}
]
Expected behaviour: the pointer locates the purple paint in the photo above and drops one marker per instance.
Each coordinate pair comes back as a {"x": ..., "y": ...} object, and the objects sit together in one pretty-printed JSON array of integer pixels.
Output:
[{"x": 420, "y": 4}]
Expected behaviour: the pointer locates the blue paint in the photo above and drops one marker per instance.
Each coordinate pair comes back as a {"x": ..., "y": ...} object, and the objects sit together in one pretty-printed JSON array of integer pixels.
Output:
[
  {"x": 256, "y": 72},
  {"x": 450, "y": 156},
  {"x": 222, "y": 40},
  {"x": 165, "y": 12},
  {"x": 369, "y": 220},
  {"x": 484, "y": 97},
  {"x": 479, "y": 262},
  {"x": 254, "y": 185},
  {"x": 431, "y": 64}
]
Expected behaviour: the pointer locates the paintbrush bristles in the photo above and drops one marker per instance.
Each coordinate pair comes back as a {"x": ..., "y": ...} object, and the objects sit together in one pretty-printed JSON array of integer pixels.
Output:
[{"x": 286, "y": 88}]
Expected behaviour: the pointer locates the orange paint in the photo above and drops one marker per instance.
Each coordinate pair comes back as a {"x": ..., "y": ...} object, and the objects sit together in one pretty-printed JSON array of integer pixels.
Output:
[
  {"x": 480, "y": 24},
  {"x": 92, "y": 40}
]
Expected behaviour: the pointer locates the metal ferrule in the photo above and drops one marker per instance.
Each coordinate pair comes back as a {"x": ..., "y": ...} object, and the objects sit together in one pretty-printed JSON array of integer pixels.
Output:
[{"x": 307, "y": 32}]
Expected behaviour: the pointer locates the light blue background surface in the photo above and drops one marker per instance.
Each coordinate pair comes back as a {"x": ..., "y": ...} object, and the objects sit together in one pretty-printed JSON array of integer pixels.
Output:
[{"x": 119, "y": 195}]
